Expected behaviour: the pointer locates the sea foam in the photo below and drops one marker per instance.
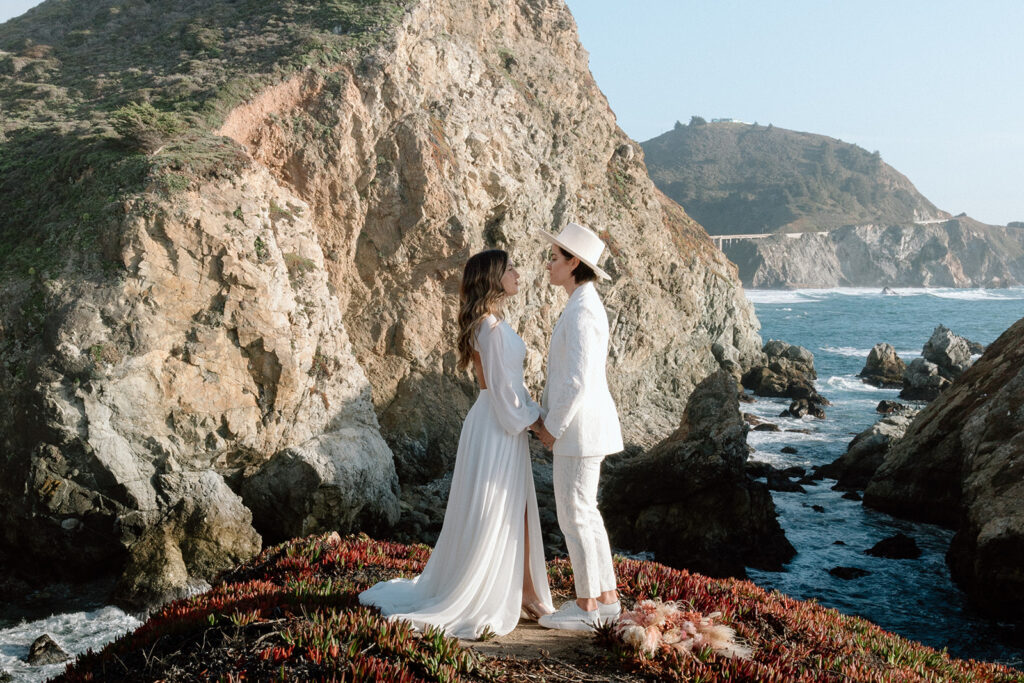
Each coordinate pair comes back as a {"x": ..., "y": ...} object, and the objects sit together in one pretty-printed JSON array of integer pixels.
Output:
[{"x": 75, "y": 632}]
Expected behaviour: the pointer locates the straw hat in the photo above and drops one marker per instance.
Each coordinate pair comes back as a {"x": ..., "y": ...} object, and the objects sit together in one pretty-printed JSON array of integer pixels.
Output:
[{"x": 582, "y": 243}]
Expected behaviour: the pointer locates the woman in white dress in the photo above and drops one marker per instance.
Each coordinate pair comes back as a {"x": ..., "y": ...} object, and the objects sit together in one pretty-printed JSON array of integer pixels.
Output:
[{"x": 488, "y": 563}]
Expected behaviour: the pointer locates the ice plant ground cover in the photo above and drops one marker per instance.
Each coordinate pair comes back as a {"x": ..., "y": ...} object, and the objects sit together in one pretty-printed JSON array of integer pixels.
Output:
[{"x": 292, "y": 614}]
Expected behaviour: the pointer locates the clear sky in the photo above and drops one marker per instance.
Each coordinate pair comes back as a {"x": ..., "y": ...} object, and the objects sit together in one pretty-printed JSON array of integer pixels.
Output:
[{"x": 936, "y": 86}]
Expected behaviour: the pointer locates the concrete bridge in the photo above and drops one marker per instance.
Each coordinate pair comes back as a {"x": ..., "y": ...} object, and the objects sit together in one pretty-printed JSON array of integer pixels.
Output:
[{"x": 722, "y": 240}]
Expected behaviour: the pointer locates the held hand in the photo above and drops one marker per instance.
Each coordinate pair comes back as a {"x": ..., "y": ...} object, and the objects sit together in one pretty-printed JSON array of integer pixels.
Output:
[{"x": 545, "y": 437}]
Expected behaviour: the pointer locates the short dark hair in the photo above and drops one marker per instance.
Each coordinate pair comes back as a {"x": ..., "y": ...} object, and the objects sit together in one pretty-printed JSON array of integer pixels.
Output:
[{"x": 581, "y": 273}]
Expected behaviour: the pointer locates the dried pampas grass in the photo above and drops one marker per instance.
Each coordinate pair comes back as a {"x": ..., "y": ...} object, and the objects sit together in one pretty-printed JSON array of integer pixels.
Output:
[{"x": 654, "y": 625}]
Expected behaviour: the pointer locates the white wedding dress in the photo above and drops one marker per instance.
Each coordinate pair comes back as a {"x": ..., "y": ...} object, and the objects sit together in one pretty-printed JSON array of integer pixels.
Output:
[{"x": 474, "y": 577}]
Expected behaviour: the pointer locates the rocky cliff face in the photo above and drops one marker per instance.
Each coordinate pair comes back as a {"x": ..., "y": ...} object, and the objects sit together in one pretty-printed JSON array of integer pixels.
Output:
[
  {"x": 479, "y": 128},
  {"x": 959, "y": 464},
  {"x": 957, "y": 253},
  {"x": 284, "y": 310}
]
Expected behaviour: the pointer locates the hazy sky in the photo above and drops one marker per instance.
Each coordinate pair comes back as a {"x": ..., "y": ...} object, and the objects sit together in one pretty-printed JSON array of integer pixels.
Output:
[{"x": 936, "y": 86}]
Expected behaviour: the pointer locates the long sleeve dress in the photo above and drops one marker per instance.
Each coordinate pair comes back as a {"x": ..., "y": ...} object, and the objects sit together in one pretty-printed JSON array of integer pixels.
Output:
[{"x": 474, "y": 577}]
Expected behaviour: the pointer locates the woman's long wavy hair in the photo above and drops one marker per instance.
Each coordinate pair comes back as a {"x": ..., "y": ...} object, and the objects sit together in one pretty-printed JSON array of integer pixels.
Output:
[{"x": 479, "y": 295}]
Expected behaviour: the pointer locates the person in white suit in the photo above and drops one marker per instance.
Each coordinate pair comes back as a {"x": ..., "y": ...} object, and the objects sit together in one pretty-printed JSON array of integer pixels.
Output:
[{"x": 580, "y": 426}]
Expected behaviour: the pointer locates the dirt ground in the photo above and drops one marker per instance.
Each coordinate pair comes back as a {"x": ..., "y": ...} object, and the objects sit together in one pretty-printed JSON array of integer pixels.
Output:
[{"x": 532, "y": 652}]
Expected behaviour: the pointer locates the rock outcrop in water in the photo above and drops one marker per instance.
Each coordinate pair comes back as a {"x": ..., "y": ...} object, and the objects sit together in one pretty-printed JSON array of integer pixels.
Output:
[
  {"x": 689, "y": 499},
  {"x": 944, "y": 357},
  {"x": 883, "y": 368},
  {"x": 787, "y": 371},
  {"x": 959, "y": 464},
  {"x": 249, "y": 276}
]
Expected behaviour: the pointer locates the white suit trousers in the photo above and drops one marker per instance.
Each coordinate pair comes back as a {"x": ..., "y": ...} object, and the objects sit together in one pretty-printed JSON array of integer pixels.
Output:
[{"x": 575, "y": 483}]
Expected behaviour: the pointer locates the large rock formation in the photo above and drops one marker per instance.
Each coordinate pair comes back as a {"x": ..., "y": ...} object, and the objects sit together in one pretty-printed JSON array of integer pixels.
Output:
[
  {"x": 689, "y": 499},
  {"x": 260, "y": 287},
  {"x": 959, "y": 465},
  {"x": 959, "y": 252}
]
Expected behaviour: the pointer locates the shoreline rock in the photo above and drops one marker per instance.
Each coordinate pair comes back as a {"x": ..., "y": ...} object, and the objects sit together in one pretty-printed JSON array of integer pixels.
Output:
[
  {"x": 896, "y": 255},
  {"x": 661, "y": 500},
  {"x": 866, "y": 452},
  {"x": 44, "y": 650}
]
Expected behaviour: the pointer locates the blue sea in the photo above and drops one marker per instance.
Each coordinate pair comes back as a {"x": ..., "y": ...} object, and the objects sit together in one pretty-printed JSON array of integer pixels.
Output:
[{"x": 915, "y": 598}]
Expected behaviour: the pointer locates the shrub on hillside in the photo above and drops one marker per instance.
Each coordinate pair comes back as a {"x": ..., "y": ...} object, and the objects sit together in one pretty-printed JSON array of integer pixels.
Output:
[{"x": 145, "y": 127}]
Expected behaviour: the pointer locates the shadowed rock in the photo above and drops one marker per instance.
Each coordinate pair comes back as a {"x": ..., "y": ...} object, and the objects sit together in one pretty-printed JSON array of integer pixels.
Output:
[
  {"x": 923, "y": 381},
  {"x": 44, "y": 650},
  {"x": 897, "y": 547},
  {"x": 787, "y": 371},
  {"x": 959, "y": 465},
  {"x": 205, "y": 530},
  {"x": 689, "y": 499},
  {"x": 866, "y": 452}
]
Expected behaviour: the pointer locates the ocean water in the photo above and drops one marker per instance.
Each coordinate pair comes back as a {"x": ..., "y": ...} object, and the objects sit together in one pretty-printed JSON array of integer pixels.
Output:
[{"x": 915, "y": 598}]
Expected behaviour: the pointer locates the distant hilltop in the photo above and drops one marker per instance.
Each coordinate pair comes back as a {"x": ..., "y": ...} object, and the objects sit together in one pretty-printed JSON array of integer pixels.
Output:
[{"x": 751, "y": 179}]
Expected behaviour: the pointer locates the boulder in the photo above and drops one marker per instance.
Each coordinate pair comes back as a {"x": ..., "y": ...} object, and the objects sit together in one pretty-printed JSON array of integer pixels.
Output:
[
  {"x": 923, "y": 381},
  {"x": 866, "y": 452},
  {"x": 959, "y": 465},
  {"x": 950, "y": 352},
  {"x": 689, "y": 499},
  {"x": 889, "y": 407},
  {"x": 787, "y": 371},
  {"x": 341, "y": 481},
  {"x": 803, "y": 406},
  {"x": 203, "y": 530},
  {"x": 44, "y": 650},
  {"x": 883, "y": 368},
  {"x": 729, "y": 359},
  {"x": 896, "y": 547}
]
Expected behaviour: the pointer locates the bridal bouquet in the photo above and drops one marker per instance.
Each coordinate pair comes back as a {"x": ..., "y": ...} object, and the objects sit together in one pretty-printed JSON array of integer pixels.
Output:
[{"x": 656, "y": 625}]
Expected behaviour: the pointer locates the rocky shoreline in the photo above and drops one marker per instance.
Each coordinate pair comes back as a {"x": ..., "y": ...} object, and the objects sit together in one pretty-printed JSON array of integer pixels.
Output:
[{"x": 954, "y": 463}]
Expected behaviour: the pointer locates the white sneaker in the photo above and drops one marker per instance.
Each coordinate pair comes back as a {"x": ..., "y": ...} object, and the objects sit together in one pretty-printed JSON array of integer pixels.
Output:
[
  {"x": 570, "y": 617},
  {"x": 609, "y": 612}
]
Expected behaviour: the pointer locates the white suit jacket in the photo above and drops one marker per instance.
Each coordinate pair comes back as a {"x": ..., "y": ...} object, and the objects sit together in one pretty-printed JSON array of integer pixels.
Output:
[{"x": 580, "y": 412}]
